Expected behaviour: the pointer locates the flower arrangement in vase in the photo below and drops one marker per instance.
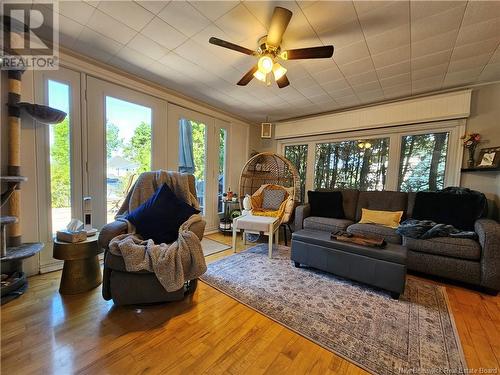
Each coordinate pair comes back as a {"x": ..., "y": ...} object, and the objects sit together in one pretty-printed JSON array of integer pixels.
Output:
[{"x": 470, "y": 142}]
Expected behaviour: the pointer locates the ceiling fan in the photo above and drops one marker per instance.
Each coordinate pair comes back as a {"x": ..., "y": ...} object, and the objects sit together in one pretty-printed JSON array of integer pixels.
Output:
[{"x": 269, "y": 51}]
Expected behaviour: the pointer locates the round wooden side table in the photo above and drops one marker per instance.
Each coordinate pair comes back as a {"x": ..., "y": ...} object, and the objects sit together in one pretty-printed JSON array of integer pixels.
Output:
[{"x": 81, "y": 271}]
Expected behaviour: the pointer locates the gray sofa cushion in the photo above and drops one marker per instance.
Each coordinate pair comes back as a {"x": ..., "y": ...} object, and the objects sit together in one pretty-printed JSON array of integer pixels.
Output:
[
  {"x": 389, "y": 234},
  {"x": 381, "y": 200},
  {"x": 462, "y": 248},
  {"x": 326, "y": 223}
]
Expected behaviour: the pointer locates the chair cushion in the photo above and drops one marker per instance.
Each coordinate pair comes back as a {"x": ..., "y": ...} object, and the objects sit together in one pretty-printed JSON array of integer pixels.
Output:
[
  {"x": 389, "y": 234},
  {"x": 273, "y": 199},
  {"x": 381, "y": 200},
  {"x": 326, "y": 223},
  {"x": 326, "y": 204},
  {"x": 160, "y": 217},
  {"x": 462, "y": 248}
]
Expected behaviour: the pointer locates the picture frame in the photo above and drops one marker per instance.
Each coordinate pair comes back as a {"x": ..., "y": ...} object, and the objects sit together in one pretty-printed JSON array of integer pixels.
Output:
[
  {"x": 266, "y": 130},
  {"x": 489, "y": 158}
]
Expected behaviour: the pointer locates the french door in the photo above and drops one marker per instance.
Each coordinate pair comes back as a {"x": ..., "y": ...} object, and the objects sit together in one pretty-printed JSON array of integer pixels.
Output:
[
  {"x": 59, "y": 157},
  {"x": 126, "y": 135},
  {"x": 201, "y": 149}
]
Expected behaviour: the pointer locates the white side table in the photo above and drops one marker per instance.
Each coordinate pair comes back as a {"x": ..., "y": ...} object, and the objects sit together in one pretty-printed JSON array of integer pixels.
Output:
[{"x": 257, "y": 224}]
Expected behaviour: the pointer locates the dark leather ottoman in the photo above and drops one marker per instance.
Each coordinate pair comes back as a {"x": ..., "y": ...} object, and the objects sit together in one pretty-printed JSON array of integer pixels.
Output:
[{"x": 383, "y": 268}]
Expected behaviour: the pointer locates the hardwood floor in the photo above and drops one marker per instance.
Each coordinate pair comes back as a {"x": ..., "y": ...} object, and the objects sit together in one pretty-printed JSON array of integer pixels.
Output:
[{"x": 45, "y": 333}]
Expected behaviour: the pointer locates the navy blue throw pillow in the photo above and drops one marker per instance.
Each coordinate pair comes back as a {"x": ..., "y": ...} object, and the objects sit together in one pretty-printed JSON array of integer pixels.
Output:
[{"x": 160, "y": 217}]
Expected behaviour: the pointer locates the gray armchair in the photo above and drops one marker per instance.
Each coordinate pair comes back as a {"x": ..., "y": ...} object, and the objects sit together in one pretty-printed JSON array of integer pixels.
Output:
[{"x": 142, "y": 287}]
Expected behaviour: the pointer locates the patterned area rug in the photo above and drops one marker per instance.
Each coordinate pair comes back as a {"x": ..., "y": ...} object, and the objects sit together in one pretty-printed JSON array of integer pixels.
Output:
[{"x": 363, "y": 325}]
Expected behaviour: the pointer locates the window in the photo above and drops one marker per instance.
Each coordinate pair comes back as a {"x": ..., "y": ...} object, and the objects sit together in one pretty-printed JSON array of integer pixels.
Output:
[
  {"x": 221, "y": 183},
  {"x": 60, "y": 157},
  {"x": 297, "y": 154},
  {"x": 128, "y": 148},
  {"x": 192, "y": 154},
  {"x": 423, "y": 162},
  {"x": 346, "y": 165}
]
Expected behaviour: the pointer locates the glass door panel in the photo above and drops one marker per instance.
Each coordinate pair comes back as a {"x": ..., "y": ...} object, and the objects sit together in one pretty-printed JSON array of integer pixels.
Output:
[
  {"x": 128, "y": 149},
  {"x": 297, "y": 154},
  {"x": 60, "y": 157},
  {"x": 221, "y": 176},
  {"x": 126, "y": 136},
  {"x": 192, "y": 155}
]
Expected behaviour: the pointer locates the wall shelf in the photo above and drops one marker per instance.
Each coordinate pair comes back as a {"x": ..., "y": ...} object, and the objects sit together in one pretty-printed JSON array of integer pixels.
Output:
[{"x": 480, "y": 169}]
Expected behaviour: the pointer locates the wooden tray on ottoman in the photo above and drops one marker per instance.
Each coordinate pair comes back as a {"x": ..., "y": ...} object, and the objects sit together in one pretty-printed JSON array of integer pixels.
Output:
[{"x": 359, "y": 239}]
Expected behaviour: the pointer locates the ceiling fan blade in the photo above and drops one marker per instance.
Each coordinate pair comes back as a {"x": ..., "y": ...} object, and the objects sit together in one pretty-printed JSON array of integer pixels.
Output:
[
  {"x": 229, "y": 45},
  {"x": 248, "y": 76},
  {"x": 309, "y": 53},
  {"x": 279, "y": 22},
  {"x": 283, "y": 82}
]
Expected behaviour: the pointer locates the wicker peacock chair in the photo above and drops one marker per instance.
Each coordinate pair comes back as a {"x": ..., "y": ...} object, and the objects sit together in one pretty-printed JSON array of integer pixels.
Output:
[{"x": 270, "y": 168}]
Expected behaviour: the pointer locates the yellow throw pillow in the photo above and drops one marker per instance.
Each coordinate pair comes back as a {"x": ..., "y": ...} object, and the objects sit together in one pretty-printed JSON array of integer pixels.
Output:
[{"x": 389, "y": 219}]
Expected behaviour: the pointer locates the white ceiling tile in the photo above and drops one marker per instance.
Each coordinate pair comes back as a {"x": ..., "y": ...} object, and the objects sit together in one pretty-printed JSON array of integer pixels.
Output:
[
  {"x": 438, "y": 43},
  {"x": 474, "y": 62},
  {"x": 461, "y": 77},
  {"x": 371, "y": 96},
  {"x": 184, "y": 17},
  {"x": 163, "y": 34},
  {"x": 328, "y": 15},
  {"x": 96, "y": 45},
  {"x": 77, "y": 11},
  {"x": 135, "y": 58},
  {"x": 214, "y": 9},
  {"x": 111, "y": 28},
  {"x": 127, "y": 12},
  {"x": 477, "y": 32},
  {"x": 379, "y": 19},
  {"x": 391, "y": 39},
  {"x": 397, "y": 91},
  {"x": 147, "y": 46},
  {"x": 341, "y": 93},
  {"x": 429, "y": 71},
  {"x": 394, "y": 69},
  {"x": 490, "y": 73},
  {"x": 240, "y": 25},
  {"x": 153, "y": 6},
  {"x": 422, "y": 9},
  {"x": 359, "y": 79},
  {"x": 348, "y": 101},
  {"x": 328, "y": 75},
  {"x": 439, "y": 23},
  {"x": 356, "y": 67},
  {"x": 69, "y": 31},
  {"x": 427, "y": 84},
  {"x": 428, "y": 61},
  {"x": 480, "y": 11},
  {"x": 398, "y": 80},
  {"x": 343, "y": 35},
  {"x": 392, "y": 56},
  {"x": 367, "y": 86},
  {"x": 340, "y": 84},
  {"x": 352, "y": 52},
  {"x": 473, "y": 49}
]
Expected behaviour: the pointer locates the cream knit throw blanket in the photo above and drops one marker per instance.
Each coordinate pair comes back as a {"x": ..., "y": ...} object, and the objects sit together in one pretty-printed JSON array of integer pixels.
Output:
[{"x": 173, "y": 264}]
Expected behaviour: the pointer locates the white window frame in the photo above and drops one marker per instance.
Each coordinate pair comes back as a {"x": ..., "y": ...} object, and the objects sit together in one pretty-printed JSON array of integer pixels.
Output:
[
  {"x": 455, "y": 128},
  {"x": 42, "y": 135}
]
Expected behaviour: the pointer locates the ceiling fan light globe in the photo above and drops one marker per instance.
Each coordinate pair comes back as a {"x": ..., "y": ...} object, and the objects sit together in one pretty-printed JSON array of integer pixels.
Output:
[
  {"x": 278, "y": 71},
  {"x": 260, "y": 76},
  {"x": 265, "y": 64}
]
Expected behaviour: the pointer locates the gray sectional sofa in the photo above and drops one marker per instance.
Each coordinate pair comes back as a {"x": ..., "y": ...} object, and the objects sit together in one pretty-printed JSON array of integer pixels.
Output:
[{"x": 461, "y": 259}]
